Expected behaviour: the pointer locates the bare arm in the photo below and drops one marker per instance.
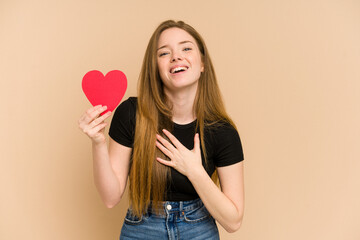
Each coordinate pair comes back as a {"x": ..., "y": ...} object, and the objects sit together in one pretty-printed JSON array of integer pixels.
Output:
[
  {"x": 111, "y": 171},
  {"x": 110, "y": 166},
  {"x": 226, "y": 205}
]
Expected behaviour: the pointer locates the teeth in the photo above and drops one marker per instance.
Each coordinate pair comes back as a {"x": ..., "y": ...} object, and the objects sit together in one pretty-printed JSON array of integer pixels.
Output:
[{"x": 178, "y": 69}]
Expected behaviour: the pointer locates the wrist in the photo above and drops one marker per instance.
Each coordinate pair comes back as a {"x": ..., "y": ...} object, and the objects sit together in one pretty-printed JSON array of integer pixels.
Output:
[
  {"x": 98, "y": 144},
  {"x": 197, "y": 173}
]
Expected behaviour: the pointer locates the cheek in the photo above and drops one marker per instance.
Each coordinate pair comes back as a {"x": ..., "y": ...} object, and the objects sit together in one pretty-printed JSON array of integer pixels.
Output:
[
  {"x": 160, "y": 66},
  {"x": 199, "y": 64},
  {"x": 162, "y": 69}
]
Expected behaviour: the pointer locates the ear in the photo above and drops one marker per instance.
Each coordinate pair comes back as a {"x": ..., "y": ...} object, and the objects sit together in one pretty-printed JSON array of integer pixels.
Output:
[{"x": 202, "y": 67}]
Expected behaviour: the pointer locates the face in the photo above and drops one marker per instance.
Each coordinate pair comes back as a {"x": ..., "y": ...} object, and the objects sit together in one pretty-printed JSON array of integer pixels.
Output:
[{"x": 179, "y": 59}]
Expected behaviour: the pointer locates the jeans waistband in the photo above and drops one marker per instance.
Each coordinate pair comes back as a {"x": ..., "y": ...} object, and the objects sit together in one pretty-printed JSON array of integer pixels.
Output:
[{"x": 169, "y": 207}]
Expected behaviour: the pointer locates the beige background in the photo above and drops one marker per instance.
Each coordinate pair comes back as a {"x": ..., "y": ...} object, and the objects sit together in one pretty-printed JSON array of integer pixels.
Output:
[{"x": 290, "y": 74}]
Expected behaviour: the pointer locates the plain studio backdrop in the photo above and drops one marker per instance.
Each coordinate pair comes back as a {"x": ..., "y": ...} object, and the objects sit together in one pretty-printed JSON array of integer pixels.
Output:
[{"x": 289, "y": 72}]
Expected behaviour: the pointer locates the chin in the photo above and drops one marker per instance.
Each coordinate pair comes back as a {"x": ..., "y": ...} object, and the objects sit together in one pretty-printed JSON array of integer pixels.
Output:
[{"x": 176, "y": 86}]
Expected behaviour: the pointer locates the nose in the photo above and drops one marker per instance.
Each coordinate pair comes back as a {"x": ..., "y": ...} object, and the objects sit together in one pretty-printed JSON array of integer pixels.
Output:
[{"x": 176, "y": 57}]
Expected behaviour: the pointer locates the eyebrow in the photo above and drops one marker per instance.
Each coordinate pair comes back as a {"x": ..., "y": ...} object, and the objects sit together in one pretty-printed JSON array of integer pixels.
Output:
[{"x": 182, "y": 42}]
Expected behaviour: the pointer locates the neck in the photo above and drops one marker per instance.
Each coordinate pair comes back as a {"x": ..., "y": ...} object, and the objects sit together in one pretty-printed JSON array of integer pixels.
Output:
[{"x": 182, "y": 102}]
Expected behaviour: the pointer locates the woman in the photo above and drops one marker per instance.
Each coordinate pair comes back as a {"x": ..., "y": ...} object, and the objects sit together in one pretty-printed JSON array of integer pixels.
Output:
[{"x": 169, "y": 141}]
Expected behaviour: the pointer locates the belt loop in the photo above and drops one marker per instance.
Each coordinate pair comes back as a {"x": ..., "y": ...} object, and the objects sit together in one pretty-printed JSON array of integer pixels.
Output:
[{"x": 181, "y": 206}]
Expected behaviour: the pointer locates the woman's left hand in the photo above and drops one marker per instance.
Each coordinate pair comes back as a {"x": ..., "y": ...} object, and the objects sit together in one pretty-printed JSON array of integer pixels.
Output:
[{"x": 183, "y": 160}]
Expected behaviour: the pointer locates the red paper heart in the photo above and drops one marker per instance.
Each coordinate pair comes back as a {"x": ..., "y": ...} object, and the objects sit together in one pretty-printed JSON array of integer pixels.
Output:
[{"x": 105, "y": 90}]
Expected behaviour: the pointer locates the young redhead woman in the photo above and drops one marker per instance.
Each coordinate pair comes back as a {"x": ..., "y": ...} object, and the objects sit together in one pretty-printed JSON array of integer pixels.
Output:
[{"x": 174, "y": 141}]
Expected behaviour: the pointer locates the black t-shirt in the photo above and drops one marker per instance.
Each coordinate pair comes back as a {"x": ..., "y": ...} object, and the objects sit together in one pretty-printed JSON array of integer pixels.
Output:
[{"x": 223, "y": 146}]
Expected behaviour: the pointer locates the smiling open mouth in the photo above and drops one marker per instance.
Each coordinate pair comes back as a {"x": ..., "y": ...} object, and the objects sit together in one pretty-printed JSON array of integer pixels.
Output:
[{"x": 178, "y": 69}]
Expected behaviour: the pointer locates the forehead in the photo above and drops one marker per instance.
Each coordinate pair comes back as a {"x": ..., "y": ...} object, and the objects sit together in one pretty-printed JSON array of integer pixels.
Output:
[{"x": 174, "y": 36}]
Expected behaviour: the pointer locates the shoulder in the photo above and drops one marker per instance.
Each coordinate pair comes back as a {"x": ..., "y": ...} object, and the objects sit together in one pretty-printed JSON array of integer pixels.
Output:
[
  {"x": 225, "y": 141},
  {"x": 221, "y": 133},
  {"x": 130, "y": 103},
  {"x": 221, "y": 129},
  {"x": 132, "y": 100},
  {"x": 126, "y": 108},
  {"x": 122, "y": 128}
]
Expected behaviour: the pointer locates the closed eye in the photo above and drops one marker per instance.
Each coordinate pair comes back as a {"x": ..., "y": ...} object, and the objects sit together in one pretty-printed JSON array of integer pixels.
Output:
[{"x": 162, "y": 54}]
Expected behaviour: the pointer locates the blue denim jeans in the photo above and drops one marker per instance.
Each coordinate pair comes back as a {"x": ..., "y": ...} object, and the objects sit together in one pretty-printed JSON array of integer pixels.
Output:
[{"x": 176, "y": 220}]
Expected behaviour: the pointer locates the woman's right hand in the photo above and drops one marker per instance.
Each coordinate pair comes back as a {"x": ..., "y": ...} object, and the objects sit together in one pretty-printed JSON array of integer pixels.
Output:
[{"x": 93, "y": 125}]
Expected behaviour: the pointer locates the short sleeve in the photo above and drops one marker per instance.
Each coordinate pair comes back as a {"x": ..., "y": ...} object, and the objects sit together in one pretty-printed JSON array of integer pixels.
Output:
[
  {"x": 228, "y": 148},
  {"x": 122, "y": 128}
]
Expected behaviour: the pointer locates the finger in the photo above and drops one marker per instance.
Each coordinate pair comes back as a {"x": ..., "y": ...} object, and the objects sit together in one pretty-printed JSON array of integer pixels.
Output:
[
  {"x": 95, "y": 108},
  {"x": 173, "y": 139},
  {"x": 100, "y": 119},
  {"x": 196, "y": 143},
  {"x": 88, "y": 123},
  {"x": 96, "y": 129},
  {"x": 86, "y": 117},
  {"x": 165, "y": 162},
  {"x": 91, "y": 115},
  {"x": 98, "y": 111},
  {"x": 89, "y": 111},
  {"x": 164, "y": 150},
  {"x": 164, "y": 142}
]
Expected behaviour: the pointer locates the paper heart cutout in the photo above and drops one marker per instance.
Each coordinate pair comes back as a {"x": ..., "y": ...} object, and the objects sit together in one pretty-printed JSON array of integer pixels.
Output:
[{"x": 105, "y": 90}]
